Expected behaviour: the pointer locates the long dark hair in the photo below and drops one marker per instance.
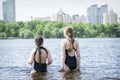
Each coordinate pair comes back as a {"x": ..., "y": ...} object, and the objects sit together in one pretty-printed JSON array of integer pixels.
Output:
[
  {"x": 68, "y": 31},
  {"x": 39, "y": 41}
]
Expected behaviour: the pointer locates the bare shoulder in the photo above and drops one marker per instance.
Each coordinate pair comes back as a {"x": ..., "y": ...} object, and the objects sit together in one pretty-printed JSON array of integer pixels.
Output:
[
  {"x": 48, "y": 50},
  {"x": 76, "y": 42},
  {"x": 33, "y": 50},
  {"x": 64, "y": 41}
]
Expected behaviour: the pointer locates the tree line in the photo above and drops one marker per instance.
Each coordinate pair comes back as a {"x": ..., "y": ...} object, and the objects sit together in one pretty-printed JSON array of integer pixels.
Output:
[{"x": 54, "y": 29}]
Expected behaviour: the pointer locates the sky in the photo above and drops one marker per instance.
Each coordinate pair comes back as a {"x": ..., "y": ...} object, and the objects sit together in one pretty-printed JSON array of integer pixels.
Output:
[{"x": 43, "y": 8}]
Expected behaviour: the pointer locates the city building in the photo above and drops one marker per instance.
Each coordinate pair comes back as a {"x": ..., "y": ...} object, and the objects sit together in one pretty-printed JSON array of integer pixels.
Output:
[
  {"x": 42, "y": 18},
  {"x": 105, "y": 18},
  {"x": 92, "y": 14},
  {"x": 1, "y": 13},
  {"x": 95, "y": 13},
  {"x": 60, "y": 16},
  {"x": 75, "y": 18},
  {"x": 103, "y": 9},
  {"x": 119, "y": 20},
  {"x": 83, "y": 19},
  {"x": 110, "y": 18},
  {"x": 67, "y": 18},
  {"x": 63, "y": 17},
  {"x": 113, "y": 17},
  {"x": 54, "y": 17},
  {"x": 8, "y": 7}
]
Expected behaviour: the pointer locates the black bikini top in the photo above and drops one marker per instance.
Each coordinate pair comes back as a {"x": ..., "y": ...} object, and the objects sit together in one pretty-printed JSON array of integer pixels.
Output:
[
  {"x": 39, "y": 53},
  {"x": 72, "y": 44}
]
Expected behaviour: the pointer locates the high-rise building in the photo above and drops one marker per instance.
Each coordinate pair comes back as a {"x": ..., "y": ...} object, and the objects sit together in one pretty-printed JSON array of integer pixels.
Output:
[
  {"x": 119, "y": 20},
  {"x": 1, "y": 13},
  {"x": 75, "y": 18},
  {"x": 92, "y": 14},
  {"x": 111, "y": 17},
  {"x": 105, "y": 18},
  {"x": 103, "y": 9},
  {"x": 9, "y": 10},
  {"x": 95, "y": 14},
  {"x": 67, "y": 18},
  {"x": 83, "y": 19},
  {"x": 61, "y": 17},
  {"x": 54, "y": 17}
]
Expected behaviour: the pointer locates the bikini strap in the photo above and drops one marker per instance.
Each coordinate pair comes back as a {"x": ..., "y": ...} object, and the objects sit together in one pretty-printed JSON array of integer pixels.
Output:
[
  {"x": 40, "y": 48},
  {"x": 72, "y": 43},
  {"x": 44, "y": 49}
]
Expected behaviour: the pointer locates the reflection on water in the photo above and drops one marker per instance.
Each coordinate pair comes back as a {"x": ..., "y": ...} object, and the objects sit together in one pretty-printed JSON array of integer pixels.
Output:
[
  {"x": 72, "y": 76},
  {"x": 39, "y": 76},
  {"x": 100, "y": 60},
  {"x": 52, "y": 76}
]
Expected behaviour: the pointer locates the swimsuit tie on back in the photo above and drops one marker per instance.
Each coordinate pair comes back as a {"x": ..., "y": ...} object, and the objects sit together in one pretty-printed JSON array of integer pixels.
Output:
[{"x": 40, "y": 67}]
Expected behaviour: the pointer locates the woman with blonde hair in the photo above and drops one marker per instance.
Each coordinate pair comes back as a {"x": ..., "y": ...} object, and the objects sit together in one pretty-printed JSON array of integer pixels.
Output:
[{"x": 70, "y": 51}]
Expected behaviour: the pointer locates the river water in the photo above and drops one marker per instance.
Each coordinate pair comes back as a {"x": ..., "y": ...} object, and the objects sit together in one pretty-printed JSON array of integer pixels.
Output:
[{"x": 100, "y": 60}]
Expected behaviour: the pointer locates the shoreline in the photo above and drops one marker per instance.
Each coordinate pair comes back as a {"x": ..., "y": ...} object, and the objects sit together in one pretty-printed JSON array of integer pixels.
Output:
[{"x": 60, "y": 38}]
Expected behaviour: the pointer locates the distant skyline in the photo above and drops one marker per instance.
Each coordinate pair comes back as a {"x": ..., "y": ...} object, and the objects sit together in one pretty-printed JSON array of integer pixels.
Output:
[{"x": 43, "y": 8}]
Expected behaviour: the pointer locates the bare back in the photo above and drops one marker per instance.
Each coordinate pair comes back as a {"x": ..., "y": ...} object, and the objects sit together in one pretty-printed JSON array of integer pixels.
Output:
[
  {"x": 41, "y": 56},
  {"x": 67, "y": 46}
]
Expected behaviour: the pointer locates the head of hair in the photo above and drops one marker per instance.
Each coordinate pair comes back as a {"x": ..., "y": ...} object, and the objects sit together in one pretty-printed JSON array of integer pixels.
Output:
[
  {"x": 38, "y": 41},
  {"x": 68, "y": 32}
]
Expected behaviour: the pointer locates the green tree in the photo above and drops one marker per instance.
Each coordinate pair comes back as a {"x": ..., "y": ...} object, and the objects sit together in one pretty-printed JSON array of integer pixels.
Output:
[
  {"x": 40, "y": 30},
  {"x": 26, "y": 34},
  {"x": 47, "y": 33},
  {"x": 12, "y": 29},
  {"x": 3, "y": 35},
  {"x": 54, "y": 29}
]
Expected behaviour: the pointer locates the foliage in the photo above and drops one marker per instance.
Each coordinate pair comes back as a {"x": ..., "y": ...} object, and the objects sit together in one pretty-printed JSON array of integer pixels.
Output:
[{"x": 54, "y": 29}]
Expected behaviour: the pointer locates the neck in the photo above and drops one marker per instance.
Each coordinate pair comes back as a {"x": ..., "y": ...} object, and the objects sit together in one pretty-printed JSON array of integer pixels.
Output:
[{"x": 40, "y": 46}]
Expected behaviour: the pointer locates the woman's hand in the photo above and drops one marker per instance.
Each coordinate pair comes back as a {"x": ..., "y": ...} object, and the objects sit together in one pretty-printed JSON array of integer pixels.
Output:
[
  {"x": 61, "y": 70},
  {"x": 77, "y": 69},
  {"x": 29, "y": 61}
]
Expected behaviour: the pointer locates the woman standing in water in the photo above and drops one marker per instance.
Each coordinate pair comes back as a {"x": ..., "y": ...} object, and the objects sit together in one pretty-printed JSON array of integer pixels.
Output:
[
  {"x": 39, "y": 56},
  {"x": 70, "y": 51}
]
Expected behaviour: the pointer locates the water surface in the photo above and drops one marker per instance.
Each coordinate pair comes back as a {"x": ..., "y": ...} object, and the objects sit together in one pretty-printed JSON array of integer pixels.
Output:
[{"x": 100, "y": 60}]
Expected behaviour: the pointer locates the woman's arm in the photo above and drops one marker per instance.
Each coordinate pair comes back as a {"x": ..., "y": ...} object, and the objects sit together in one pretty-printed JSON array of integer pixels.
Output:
[
  {"x": 49, "y": 58},
  {"x": 78, "y": 55},
  {"x": 31, "y": 58},
  {"x": 63, "y": 55}
]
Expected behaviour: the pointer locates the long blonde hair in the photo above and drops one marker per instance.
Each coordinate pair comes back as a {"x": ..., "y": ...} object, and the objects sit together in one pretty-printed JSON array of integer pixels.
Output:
[{"x": 68, "y": 33}]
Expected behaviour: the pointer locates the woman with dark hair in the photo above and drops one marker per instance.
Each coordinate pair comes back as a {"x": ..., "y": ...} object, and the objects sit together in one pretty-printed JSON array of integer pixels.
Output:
[
  {"x": 39, "y": 56},
  {"x": 70, "y": 51}
]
